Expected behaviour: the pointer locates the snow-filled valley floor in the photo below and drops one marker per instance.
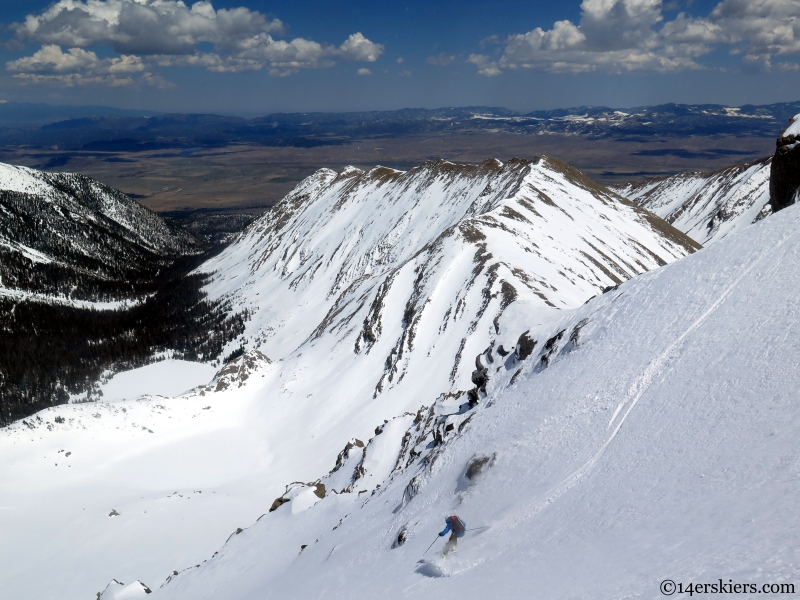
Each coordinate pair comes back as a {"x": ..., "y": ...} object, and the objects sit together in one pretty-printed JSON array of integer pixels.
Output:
[{"x": 643, "y": 426}]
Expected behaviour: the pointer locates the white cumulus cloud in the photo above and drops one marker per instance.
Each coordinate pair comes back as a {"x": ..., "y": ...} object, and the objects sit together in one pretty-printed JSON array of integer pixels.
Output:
[
  {"x": 169, "y": 33},
  {"x": 619, "y": 36},
  {"x": 75, "y": 67}
]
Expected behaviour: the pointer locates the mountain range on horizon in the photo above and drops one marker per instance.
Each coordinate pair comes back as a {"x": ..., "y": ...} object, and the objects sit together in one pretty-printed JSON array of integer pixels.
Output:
[{"x": 103, "y": 129}]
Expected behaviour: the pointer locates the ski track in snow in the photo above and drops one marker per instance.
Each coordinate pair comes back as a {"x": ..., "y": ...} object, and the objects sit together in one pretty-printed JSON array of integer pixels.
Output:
[{"x": 638, "y": 388}]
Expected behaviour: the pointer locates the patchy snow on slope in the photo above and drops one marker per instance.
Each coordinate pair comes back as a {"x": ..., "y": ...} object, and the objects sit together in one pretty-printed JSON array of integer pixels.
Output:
[
  {"x": 59, "y": 299},
  {"x": 165, "y": 378},
  {"x": 707, "y": 206},
  {"x": 22, "y": 179},
  {"x": 652, "y": 437}
]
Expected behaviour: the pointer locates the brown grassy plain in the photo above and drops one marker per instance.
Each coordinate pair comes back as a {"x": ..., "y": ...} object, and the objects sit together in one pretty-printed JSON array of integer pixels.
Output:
[{"x": 248, "y": 178}]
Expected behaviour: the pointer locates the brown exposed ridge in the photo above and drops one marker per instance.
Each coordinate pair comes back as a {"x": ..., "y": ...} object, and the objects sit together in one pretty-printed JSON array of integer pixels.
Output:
[
  {"x": 441, "y": 166},
  {"x": 383, "y": 175},
  {"x": 347, "y": 173},
  {"x": 664, "y": 228},
  {"x": 574, "y": 175},
  {"x": 658, "y": 224}
]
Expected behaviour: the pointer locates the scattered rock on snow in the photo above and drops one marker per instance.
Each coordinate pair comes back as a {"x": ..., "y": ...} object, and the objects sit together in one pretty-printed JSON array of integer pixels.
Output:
[{"x": 116, "y": 590}]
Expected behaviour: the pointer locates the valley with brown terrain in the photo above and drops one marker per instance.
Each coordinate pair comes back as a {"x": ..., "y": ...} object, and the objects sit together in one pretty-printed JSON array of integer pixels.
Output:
[{"x": 250, "y": 178}]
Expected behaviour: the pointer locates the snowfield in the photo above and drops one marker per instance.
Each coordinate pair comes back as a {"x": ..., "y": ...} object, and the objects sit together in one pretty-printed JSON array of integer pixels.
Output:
[
  {"x": 166, "y": 378},
  {"x": 659, "y": 443},
  {"x": 510, "y": 342}
]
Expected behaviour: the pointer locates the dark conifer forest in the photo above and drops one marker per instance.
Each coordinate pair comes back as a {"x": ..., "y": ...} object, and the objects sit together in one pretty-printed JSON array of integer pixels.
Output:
[
  {"x": 50, "y": 351},
  {"x": 70, "y": 245}
]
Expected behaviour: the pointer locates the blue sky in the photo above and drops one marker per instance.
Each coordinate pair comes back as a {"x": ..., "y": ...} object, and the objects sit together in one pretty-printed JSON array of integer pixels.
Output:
[{"x": 253, "y": 56}]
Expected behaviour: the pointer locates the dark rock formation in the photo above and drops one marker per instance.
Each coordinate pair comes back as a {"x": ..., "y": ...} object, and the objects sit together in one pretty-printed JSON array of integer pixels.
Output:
[
  {"x": 784, "y": 179},
  {"x": 525, "y": 346}
]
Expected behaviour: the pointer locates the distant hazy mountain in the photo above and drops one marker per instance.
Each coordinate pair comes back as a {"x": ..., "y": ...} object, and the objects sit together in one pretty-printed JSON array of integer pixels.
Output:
[
  {"x": 107, "y": 130},
  {"x": 24, "y": 115}
]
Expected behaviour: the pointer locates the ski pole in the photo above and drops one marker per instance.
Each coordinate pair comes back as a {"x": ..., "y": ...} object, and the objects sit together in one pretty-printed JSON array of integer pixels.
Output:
[
  {"x": 476, "y": 528},
  {"x": 431, "y": 546}
]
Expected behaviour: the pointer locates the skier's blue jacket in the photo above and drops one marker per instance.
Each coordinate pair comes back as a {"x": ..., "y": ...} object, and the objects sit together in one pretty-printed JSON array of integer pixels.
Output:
[{"x": 458, "y": 526}]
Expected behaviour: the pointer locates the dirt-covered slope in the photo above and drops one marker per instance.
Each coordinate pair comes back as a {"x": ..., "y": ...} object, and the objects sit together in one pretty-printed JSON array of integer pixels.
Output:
[{"x": 707, "y": 206}]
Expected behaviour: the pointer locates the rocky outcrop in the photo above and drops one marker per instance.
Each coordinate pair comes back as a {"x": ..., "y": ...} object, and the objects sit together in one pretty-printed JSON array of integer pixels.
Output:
[
  {"x": 784, "y": 180},
  {"x": 237, "y": 371}
]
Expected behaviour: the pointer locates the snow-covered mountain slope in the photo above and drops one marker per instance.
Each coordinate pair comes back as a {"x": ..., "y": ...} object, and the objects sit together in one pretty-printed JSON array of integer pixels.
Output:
[
  {"x": 654, "y": 439},
  {"x": 707, "y": 206},
  {"x": 369, "y": 256},
  {"x": 67, "y": 234},
  {"x": 370, "y": 296}
]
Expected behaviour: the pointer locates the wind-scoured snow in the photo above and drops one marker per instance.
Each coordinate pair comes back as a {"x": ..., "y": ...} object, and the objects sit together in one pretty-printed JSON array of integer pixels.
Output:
[
  {"x": 443, "y": 242},
  {"x": 370, "y": 296},
  {"x": 655, "y": 439},
  {"x": 794, "y": 127},
  {"x": 707, "y": 206}
]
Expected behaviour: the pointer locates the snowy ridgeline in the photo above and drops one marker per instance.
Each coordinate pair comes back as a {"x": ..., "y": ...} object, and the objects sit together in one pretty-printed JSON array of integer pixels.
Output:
[
  {"x": 707, "y": 206},
  {"x": 655, "y": 438},
  {"x": 384, "y": 258},
  {"x": 371, "y": 294}
]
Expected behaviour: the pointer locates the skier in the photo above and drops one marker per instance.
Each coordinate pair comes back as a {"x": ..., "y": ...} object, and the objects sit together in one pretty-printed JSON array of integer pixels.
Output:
[{"x": 458, "y": 527}]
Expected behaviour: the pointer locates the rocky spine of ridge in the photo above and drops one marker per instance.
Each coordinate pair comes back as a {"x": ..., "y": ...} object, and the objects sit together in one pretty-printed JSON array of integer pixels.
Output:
[{"x": 784, "y": 183}]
